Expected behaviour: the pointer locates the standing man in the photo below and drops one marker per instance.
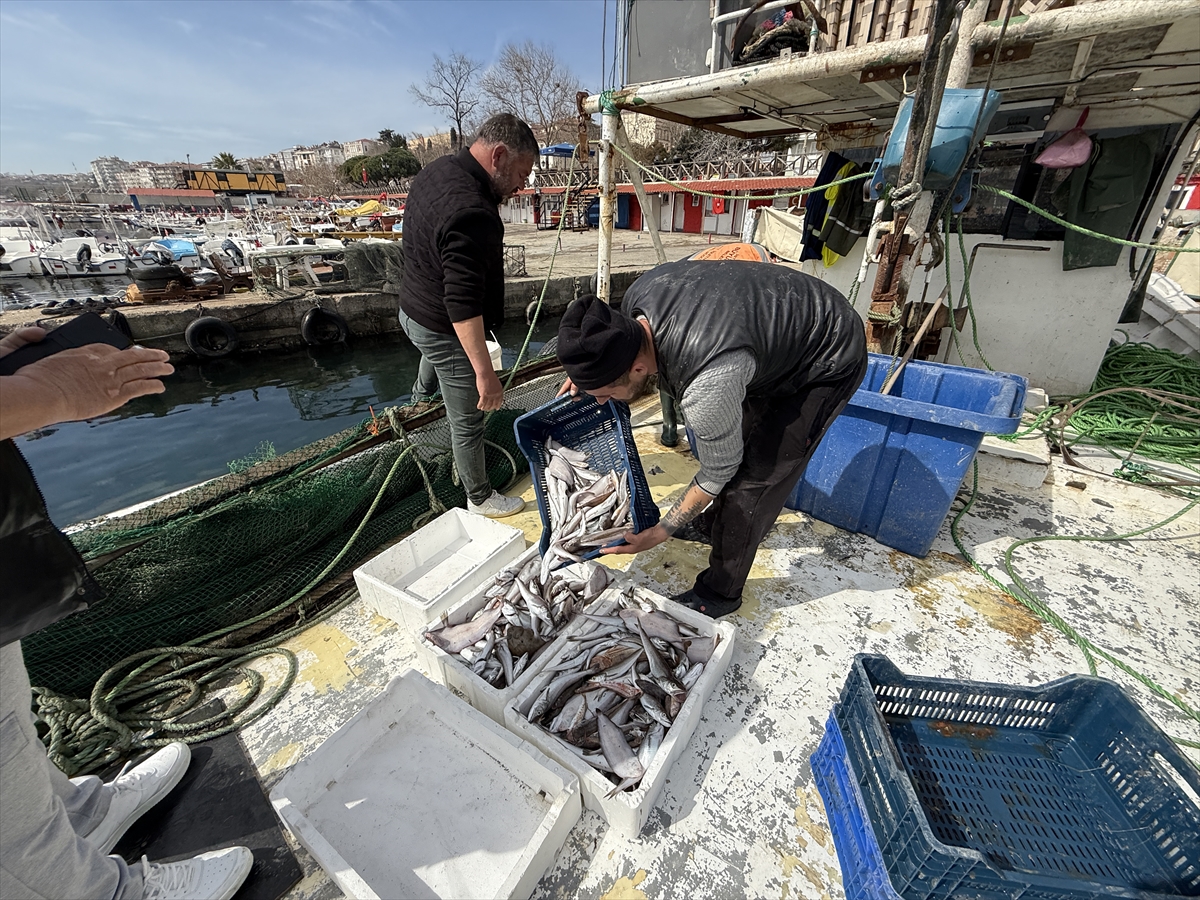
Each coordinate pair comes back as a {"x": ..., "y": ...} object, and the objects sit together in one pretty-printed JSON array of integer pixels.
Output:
[
  {"x": 453, "y": 288},
  {"x": 761, "y": 358}
]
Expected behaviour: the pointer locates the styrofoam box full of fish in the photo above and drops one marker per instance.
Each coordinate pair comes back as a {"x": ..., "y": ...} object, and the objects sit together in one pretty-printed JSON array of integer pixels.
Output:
[
  {"x": 456, "y": 673},
  {"x": 416, "y": 580},
  {"x": 418, "y": 795},
  {"x": 625, "y": 811}
]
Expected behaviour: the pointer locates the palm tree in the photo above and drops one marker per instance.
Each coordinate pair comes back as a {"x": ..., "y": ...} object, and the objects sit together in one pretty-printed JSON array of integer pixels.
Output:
[{"x": 224, "y": 161}]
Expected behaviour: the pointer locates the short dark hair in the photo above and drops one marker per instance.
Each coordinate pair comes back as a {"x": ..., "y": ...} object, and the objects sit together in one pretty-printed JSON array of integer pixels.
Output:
[{"x": 507, "y": 129}]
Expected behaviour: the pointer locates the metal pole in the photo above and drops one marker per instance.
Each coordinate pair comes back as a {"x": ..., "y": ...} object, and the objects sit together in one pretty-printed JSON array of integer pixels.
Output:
[
  {"x": 635, "y": 175},
  {"x": 608, "y": 201}
]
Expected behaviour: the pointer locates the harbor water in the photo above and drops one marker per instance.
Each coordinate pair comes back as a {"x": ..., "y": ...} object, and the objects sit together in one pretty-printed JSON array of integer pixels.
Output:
[{"x": 220, "y": 411}]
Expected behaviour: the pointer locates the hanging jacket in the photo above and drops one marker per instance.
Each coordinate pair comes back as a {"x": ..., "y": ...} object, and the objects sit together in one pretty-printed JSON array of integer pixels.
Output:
[
  {"x": 799, "y": 329},
  {"x": 42, "y": 576},
  {"x": 847, "y": 217},
  {"x": 816, "y": 206}
]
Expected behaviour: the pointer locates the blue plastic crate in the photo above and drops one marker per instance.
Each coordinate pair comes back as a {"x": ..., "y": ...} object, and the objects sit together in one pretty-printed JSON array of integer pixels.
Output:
[
  {"x": 604, "y": 433},
  {"x": 863, "y": 874},
  {"x": 889, "y": 466},
  {"x": 985, "y": 791}
]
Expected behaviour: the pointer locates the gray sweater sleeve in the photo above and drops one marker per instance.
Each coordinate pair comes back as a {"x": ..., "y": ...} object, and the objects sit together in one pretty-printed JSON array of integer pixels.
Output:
[{"x": 712, "y": 406}]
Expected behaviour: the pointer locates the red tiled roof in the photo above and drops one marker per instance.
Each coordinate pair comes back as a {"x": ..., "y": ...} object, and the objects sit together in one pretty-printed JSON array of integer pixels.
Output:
[{"x": 712, "y": 186}]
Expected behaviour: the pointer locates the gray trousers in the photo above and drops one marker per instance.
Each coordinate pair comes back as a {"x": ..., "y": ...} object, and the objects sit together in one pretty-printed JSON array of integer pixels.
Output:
[
  {"x": 44, "y": 815},
  {"x": 442, "y": 355}
]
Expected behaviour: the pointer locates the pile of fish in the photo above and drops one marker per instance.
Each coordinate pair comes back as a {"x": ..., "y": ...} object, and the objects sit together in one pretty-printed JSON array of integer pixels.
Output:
[
  {"x": 587, "y": 510},
  {"x": 619, "y": 685},
  {"x": 524, "y": 609}
]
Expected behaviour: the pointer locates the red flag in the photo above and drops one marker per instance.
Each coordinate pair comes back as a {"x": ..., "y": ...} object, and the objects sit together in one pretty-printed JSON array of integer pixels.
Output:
[{"x": 364, "y": 175}]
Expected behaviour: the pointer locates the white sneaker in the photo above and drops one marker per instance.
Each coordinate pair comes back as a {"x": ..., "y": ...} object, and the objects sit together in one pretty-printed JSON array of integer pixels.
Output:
[
  {"x": 497, "y": 506},
  {"x": 136, "y": 790},
  {"x": 215, "y": 875}
]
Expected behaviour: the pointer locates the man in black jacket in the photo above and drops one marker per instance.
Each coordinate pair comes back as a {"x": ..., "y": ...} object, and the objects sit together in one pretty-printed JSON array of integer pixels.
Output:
[
  {"x": 453, "y": 288},
  {"x": 760, "y": 357}
]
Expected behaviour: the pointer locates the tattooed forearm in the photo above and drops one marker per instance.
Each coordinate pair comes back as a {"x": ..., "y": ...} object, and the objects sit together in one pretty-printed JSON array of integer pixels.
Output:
[{"x": 693, "y": 502}]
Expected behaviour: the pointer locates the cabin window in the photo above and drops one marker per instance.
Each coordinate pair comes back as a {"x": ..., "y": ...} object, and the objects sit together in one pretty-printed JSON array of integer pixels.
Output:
[{"x": 695, "y": 199}]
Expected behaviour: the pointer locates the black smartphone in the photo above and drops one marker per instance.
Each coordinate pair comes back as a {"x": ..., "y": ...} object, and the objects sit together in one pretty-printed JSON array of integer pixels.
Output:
[{"x": 82, "y": 330}]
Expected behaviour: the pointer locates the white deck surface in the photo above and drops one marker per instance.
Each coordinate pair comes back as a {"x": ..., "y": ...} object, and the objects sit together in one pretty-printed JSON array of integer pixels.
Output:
[{"x": 740, "y": 816}]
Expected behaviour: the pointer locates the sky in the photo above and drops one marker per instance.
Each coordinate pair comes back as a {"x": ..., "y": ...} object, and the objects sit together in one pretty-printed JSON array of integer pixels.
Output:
[{"x": 163, "y": 80}]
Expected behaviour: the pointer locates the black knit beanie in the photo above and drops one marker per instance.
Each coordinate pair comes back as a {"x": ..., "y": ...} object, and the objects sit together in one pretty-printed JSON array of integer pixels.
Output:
[{"x": 597, "y": 344}]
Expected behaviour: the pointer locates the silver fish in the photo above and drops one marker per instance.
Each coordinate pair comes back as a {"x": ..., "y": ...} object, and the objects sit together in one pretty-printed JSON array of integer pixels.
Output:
[
  {"x": 617, "y": 750},
  {"x": 455, "y": 638}
]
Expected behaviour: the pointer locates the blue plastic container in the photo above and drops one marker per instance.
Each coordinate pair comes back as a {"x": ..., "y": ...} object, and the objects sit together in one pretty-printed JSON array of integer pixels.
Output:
[
  {"x": 863, "y": 873},
  {"x": 889, "y": 466},
  {"x": 955, "y": 136},
  {"x": 981, "y": 791},
  {"x": 604, "y": 433}
]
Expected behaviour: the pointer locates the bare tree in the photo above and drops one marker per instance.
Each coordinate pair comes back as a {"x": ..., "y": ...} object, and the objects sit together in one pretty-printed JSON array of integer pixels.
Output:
[
  {"x": 451, "y": 86},
  {"x": 428, "y": 147},
  {"x": 322, "y": 178},
  {"x": 531, "y": 82}
]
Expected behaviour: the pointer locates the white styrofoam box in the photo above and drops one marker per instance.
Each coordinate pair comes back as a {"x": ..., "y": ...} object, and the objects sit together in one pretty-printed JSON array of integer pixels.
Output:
[
  {"x": 416, "y": 580},
  {"x": 419, "y": 795},
  {"x": 627, "y": 812},
  {"x": 453, "y": 671}
]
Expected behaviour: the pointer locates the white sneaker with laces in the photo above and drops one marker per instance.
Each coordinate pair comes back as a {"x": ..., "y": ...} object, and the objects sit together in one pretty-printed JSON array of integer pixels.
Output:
[
  {"x": 497, "y": 506},
  {"x": 137, "y": 789},
  {"x": 215, "y": 875}
]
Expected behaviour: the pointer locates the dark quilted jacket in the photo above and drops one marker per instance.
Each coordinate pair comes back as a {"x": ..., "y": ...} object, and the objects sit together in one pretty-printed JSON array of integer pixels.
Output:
[{"x": 453, "y": 246}]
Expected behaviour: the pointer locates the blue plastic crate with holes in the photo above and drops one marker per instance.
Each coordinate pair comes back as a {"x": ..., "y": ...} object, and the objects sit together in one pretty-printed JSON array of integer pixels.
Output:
[
  {"x": 604, "y": 433},
  {"x": 864, "y": 875},
  {"x": 980, "y": 791}
]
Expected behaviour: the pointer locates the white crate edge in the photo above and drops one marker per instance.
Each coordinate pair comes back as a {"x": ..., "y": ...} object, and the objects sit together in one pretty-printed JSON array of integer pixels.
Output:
[
  {"x": 406, "y": 611},
  {"x": 454, "y": 673},
  {"x": 627, "y": 812},
  {"x": 540, "y": 852}
]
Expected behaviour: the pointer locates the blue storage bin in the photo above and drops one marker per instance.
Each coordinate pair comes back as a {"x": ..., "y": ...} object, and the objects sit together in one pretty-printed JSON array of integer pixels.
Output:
[
  {"x": 889, "y": 466},
  {"x": 604, "y": 433},
  {"x": 982, "y": 791},
  {"x": 863, "y": 873},
  {"x": 954, "y": 137}
]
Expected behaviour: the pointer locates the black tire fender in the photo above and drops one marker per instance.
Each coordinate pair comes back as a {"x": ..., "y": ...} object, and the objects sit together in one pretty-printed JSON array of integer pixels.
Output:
[
  {"x": 321, "y": 327},
  {"x": 211, "y": 338},
  {"x": 84, "y": 254}
]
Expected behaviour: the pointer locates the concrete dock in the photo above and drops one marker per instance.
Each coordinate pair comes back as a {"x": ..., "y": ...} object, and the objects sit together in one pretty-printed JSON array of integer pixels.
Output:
[{"x": 270, "y": 321}]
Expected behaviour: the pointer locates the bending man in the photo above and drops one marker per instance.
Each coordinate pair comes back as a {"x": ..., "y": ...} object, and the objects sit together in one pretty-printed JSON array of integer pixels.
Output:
[
  {"x": 453, "y": 288},
  {"x": 761, "y": 358}
]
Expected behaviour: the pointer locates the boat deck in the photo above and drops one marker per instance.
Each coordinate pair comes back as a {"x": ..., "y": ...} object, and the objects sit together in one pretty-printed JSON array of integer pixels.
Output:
[{"x": 740, "y": 816}]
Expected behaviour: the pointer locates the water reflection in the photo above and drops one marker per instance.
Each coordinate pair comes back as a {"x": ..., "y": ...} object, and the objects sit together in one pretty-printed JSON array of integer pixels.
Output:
[{"x": 218, "y": 411}]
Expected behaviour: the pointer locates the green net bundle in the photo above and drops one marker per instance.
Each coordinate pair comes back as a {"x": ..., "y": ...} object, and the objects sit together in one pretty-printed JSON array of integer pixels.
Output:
[
  {"x": 1144, "y": 398},
  {"x": 204, "y": 571}
]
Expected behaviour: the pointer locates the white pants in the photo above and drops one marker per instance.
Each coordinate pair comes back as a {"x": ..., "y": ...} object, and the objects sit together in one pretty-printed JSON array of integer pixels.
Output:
[{"x": 44, "y": 815}]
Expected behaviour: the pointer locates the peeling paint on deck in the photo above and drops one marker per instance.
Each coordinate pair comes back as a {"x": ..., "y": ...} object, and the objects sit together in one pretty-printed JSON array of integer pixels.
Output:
[{"x": 740, "y": 815}]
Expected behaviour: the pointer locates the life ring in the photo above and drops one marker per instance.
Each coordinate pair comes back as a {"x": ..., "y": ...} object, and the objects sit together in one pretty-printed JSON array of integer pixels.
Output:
[
  {"x": 321, "y": 327},
  {"x": 211, "y": 337},
  {"x": 83, "y": 255}
]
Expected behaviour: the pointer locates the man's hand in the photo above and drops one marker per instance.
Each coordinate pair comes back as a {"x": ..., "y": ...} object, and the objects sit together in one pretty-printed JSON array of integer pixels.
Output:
[
  {"x": 491, "y": 391},
  {"x": 19, "y": 338},
  {"x": 568, "y": 387},
  {"x": 636, "y": 542},
  {"x": 79, "y": 383}
]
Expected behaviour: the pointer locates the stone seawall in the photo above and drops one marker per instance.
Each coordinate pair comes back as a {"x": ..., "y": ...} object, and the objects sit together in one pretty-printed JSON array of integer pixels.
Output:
[{"x": 265, "y": 323}]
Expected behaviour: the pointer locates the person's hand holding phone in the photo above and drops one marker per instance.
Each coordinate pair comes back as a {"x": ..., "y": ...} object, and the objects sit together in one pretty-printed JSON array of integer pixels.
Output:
[{"x": 79, "y": 383}]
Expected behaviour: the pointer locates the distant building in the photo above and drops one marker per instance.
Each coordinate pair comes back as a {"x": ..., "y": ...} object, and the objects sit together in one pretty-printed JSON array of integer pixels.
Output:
[
  {"x": 295, "y": 158},
  {"x": 647, "y": 130},
  {"x": 361, "y": 147},
  {"x": 107, "y": 170},
  {"x": 236, "y": 182},
  {"x": 115, "y": 175}
]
